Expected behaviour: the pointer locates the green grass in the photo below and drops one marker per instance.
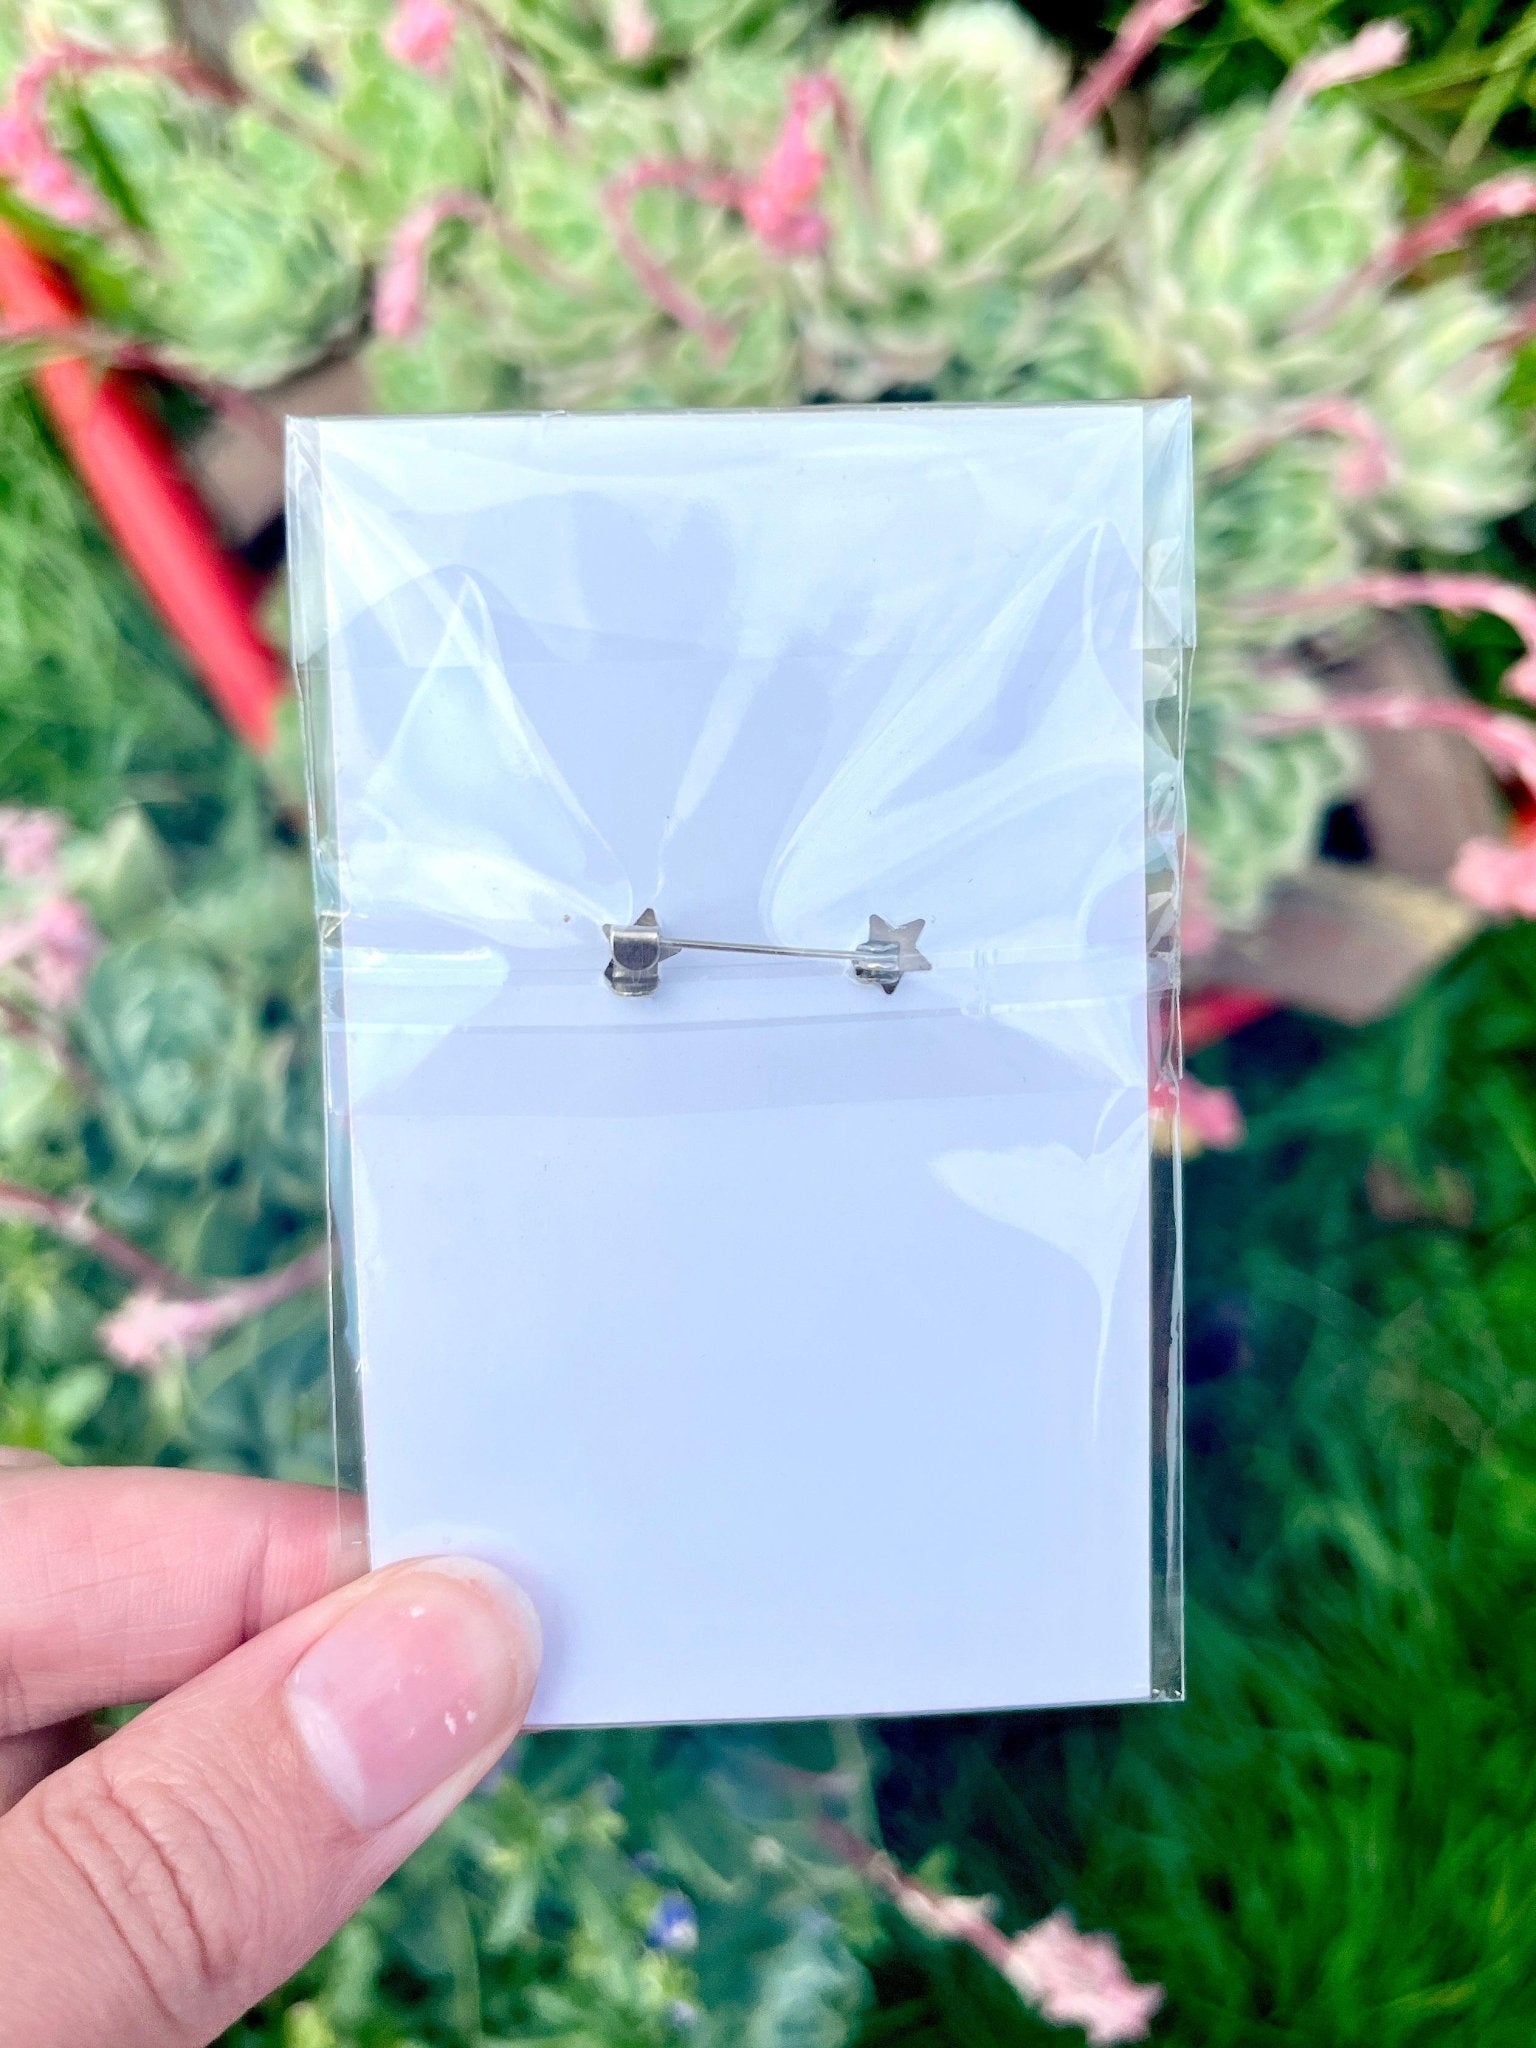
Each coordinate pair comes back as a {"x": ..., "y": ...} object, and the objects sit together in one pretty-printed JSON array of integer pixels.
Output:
[
  {"x": 1469, "y": 83},
  {"x": 96, "y": 708},
  {"x": 1333, "y": 1841}
]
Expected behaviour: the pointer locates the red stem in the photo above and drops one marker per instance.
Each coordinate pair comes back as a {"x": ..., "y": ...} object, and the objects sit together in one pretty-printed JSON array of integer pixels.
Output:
[
  {"x": 855, "y": 149},
  {"x": 204, "y": 82}
]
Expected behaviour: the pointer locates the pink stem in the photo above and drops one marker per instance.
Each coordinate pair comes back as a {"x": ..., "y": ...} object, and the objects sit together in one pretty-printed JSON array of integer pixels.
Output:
[
  {"x": 1367, "y": 466},
  {"x": 704, "y": 182},
  {"x": 76, "y": 60},
  {"x": 957, "y": 1919},
  {"x": 41, "y": 1029},
  {"x": 151, "y": 1329},
  {"x": 69, "y": 1221},
  {"x": 401, "y": 283},
  {"x": 236, "y": 1300},
  {"x": 1381, "y": 46},
  {"x": 91, "y": 339},
  {"x": 1521, "y": 330},
  {"x": 1069, "y": 1978},
  {"x": 230, "y": 1300},
  {"x": 850, "y": 136},
  {"x": 1505, "y": 739},
  {"x": 777, "y": 202},
  {"x": 1368, "y": 462},
  {"x": 1504, "y": 198},
  {"x": 519, "y": 65},
  {"x": 1140, "y": 33},
  {"x": 1392, "y": 590},
  {"x": 1507, "y": 197}
]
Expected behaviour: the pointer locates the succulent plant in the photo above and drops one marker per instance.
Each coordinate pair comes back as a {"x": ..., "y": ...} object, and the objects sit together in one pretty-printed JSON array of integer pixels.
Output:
[{"x": 625, "y": 202}]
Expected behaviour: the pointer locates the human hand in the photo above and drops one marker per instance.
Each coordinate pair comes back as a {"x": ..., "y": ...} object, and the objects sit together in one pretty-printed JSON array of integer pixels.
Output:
[{"x": 307, "y": 1734}]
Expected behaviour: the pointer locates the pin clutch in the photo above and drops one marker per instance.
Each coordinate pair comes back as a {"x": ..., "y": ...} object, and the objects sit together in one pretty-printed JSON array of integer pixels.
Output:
[{"x": 638, "y": 949}]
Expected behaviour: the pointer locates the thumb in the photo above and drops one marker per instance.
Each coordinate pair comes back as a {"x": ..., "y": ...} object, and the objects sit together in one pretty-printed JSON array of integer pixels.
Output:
[{"x": 155, "y": 1888}]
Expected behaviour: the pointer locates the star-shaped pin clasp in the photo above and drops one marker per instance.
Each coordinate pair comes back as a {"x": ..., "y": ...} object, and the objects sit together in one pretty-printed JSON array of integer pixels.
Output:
[
  {"x": 636, "y": 953},
  {"x": 889, "y": 952}
]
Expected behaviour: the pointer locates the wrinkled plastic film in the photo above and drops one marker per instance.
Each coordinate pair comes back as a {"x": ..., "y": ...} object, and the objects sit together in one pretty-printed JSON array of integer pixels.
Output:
[
  {"x": 1168, "y": 645},
  {"x": 697, "y": 1290}
]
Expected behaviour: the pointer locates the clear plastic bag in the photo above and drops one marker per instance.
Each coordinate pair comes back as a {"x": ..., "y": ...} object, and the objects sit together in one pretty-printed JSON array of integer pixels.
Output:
[{"x": 804, "y": 1328}]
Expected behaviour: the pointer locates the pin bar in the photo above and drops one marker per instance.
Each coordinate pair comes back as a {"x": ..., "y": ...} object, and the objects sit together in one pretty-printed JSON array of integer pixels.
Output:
[
  {"x": 637, "y": 951},
  {"x": 782, "y": 952}
]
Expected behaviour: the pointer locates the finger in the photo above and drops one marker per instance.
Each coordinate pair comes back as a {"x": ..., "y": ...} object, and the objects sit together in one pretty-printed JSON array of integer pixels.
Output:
[
  {"x": 16, "y": 1457},
  {"x": 118, "y": 1585},
  {"x": 25, "y": 1760},
  {"x": 154, "y": 1889}
]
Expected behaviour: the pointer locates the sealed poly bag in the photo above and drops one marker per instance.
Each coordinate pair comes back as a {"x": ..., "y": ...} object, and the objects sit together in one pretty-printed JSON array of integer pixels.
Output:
[{"x": 747, "y": 848}]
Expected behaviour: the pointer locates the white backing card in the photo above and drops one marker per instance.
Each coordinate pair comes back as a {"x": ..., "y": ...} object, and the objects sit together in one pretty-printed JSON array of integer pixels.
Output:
[{"x": 792, "y": 1341}]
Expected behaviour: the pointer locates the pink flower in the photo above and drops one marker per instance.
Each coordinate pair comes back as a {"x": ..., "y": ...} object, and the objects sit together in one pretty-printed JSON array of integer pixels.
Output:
[
  {"x": 778, "y": 202},
  {"x": 1071, "y": 1978},
  {"x": 29, "y": 843},
  {"x": 43, "y": 178},
  {"x": 401, "y": 289},
  {"x": 420, "y": 35},
  {"x": 631, "y": 30},
  {"x": 1497, "y": 877},
  {"x": 1381, "y": 46},
  {"x": 1209, "y": 1118},
  {"x": 1079, "y": 1980},
  {"x": 65, "y": 946},
  {"x": 944, "y": 1916},
  {"x": 52, "y": 949},
  {"x": 1510, "y": 196}
]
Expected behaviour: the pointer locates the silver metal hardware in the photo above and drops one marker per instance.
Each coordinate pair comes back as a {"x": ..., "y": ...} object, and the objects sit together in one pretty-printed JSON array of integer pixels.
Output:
[{"x": 637, "y": 951}]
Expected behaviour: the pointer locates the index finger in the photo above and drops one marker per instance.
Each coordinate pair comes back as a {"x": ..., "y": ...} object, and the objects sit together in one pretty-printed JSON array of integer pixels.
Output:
[{"x": 117, "y": 1585}]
